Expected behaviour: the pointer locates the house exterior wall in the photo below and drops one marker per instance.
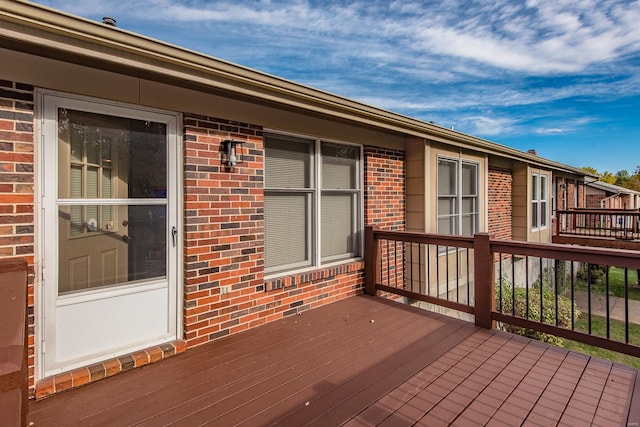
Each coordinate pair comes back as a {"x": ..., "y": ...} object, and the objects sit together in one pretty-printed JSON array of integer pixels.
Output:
[{"x": 225, "y": 290}]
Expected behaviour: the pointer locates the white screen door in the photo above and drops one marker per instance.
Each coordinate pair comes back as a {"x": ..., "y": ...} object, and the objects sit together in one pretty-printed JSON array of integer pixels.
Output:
[{"x": 110, "y": 221}]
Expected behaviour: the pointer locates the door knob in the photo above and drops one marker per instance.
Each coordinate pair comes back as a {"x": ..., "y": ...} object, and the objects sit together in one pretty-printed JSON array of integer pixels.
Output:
[{"x": 126, "y": 238}]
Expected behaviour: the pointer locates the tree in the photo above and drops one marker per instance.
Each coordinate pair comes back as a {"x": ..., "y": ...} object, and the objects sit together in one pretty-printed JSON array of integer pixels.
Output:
[
  {"x": 608, "y": 177},
  {"x": 622, "y": 177}
]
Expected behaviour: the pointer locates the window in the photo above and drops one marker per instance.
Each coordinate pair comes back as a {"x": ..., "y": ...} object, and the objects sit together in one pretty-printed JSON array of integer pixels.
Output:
[
  {"x": 312, "y": 201},
  {"x": 538, "y": 201},
  {"x": 458, "y": 204}
]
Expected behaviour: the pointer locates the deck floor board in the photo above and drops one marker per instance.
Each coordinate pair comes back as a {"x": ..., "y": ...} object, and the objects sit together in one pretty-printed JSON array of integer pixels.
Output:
[{"x": 362, "y": 361}]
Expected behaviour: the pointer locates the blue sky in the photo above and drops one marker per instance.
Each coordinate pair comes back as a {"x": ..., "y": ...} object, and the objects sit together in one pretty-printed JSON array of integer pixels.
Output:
[{"x": 559, "y": 76}]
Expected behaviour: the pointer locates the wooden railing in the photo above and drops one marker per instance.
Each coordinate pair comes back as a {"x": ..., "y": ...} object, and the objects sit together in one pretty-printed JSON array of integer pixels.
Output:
[
  {"x": 540, "y": 288},
  {"x": 599, "y": 223}
]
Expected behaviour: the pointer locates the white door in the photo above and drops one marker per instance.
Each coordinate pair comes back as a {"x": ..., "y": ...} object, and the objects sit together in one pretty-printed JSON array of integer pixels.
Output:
[{"x": 110, "y": 220}]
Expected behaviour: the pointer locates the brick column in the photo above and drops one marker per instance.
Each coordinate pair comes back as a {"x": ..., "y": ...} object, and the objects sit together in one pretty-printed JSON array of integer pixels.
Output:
[{"x": 17, "y": 187}]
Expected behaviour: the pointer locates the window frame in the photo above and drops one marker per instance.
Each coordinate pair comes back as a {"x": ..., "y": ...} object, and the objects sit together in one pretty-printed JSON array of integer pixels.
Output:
[
  {"x": 459, "y": 196},
  {"x": 539, "y": 199},
  {"x": 315, "y": 193}
]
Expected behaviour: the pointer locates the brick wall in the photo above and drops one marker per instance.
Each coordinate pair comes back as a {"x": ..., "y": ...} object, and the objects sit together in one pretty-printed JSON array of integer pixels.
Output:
[
  {"x": 17, "y": 186},
  {"x": 499, "y": 203},
  {"x": 384, "y": 195},
  {"x": 593, "y": 200},
  {"x": 223, "y": 230},
  {"x": 224, "y": 236},
  {"x": 384, "y": 200}
]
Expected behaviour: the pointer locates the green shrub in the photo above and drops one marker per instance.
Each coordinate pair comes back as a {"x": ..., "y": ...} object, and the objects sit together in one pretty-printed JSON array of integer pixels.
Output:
[
  {"x": 547, "y": 316},
  {"x": 594, "y": 272}
]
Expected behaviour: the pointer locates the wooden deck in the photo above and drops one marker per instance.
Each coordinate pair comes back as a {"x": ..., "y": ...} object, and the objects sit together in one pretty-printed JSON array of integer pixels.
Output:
[{"x": 359, "y": 362}]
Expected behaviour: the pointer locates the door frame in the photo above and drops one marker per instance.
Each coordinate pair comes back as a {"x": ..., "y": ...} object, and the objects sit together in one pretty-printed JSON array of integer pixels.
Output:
[{"x": 46, "y": 271}]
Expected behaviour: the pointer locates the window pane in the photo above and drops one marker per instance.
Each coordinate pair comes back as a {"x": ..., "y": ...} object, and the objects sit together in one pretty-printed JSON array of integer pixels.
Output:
[
  {"x": 447, "y": 173},
  {"x": 447, "y": 206},
  {"x": 287, "y": 163},
  {"x": 90, "y": 143},
  {"x": 448, "y": 225},
  {"x": 92, "y": 146},
  {"x": 534, "y": 214},
  {"x": 534, "y": 187},
  {"x": 92, "y": 183},
  {"x": 75, "y": 185},
  {"x": 543, "y": 187},
  {"x": 469, "y": 179},
  {"x": 543, "y": 213},
  {"x": 98, "y": 256},
  {"x": 469, "y": 205},
  {"x": 339, "y": 163},
  {"x": 338, "y": 211},
  {"x": 286, "y": 232},
  {"x": 469, "y": 224}
]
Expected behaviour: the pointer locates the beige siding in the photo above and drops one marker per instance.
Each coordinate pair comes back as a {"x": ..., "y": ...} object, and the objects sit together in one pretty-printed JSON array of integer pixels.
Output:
[
  {"x": 520, "y": 203},
  {"x": 72, "y": 78},
  {"x": 416, "y": 202}
]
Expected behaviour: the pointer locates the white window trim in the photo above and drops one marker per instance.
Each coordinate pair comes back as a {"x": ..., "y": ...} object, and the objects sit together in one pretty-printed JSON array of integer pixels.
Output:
[
  {"x": 460, "y": 161},
  {"x": 316, "y": 260}
]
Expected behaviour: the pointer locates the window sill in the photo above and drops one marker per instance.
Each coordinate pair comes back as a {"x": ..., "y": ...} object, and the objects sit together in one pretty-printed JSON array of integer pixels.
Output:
[{"x": 292, "y": 279}]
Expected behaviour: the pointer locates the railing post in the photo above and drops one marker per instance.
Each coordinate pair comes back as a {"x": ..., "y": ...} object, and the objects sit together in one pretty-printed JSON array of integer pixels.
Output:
[
  {"x": 483, "y": 280},
  {"x": 370, "y": 261}
]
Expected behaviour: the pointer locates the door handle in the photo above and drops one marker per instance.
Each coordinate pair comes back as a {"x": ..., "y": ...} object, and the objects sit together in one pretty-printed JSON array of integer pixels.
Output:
[
  {"x": 174, "y": 234},
  {"x": 126, "y": 238}
]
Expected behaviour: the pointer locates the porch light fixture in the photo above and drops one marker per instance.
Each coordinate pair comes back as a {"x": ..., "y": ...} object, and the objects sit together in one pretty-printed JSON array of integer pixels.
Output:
[{"x": 232, "y": 154}]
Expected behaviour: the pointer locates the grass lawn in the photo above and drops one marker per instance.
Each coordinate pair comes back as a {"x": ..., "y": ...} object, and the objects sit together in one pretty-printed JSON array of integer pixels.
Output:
[
  {"x": 616, "y": 284},
  {"x": 599, "y": 327}
]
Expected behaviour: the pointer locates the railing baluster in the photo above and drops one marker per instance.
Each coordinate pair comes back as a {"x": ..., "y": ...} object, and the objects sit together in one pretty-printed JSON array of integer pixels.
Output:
[
  {"x": 589, "y": 296},
  {"x": 527, "y": 286},
  {"x": 626, "y": 305},
  {"x": 420, "y": 267},
  {"x": 513, "y": 288},
  {"x": 468, "y": 279},
  {"x": 541, "y": 296},
  {"x": 500, "y": 283},
  {"x": 411, "y": 267},
  {"x": 395, "y": 263},
  {"x": 388, "y": 264},
  {"x": 556, "y": 267},
  {"x": 606, "y": 288},
  {"x": 573, "y": 299},
  {"x": 457, "y": 276},
  {"x": 447, "y": 273},
  {"x": 438, "y": 271}
]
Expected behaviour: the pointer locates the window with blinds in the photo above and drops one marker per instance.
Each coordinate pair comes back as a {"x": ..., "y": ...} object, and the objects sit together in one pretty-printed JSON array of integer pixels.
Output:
[{"x": 312, "y": 202}]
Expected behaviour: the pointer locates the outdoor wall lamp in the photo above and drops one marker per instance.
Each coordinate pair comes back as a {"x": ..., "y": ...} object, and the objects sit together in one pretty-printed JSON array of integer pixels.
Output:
[{"x": 232, "y": 155}]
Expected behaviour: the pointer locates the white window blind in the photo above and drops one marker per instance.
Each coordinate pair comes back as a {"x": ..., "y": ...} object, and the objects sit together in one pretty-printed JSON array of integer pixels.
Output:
[{"x": 312, "y": 202}]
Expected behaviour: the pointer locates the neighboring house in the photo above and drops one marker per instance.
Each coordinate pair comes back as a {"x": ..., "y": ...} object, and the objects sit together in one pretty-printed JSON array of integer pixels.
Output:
[
  {"x": 143, "y": 236},
  {"x": 601, "y": 195}
]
